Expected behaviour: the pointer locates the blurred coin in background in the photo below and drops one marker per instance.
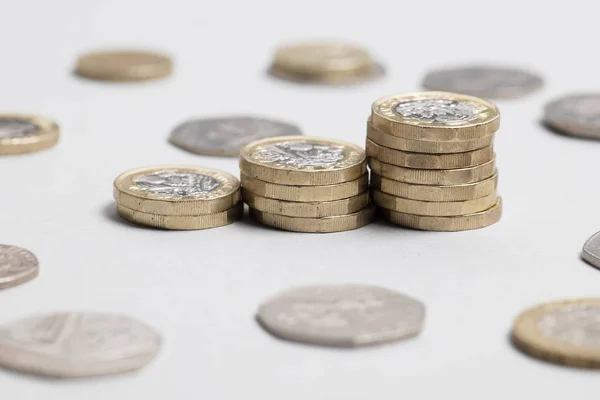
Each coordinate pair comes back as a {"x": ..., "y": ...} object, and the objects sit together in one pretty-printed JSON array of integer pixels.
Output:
[
  {"x": 123, "y": 65},
  {"x": 575, "y": 115}
]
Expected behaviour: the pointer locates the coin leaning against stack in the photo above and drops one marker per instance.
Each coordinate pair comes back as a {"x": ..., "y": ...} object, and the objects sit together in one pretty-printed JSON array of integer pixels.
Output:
[
  {"x": 432, "y": 161},
  {"x": 306, "y": 184},
  {"x": 178, "y": 197}
]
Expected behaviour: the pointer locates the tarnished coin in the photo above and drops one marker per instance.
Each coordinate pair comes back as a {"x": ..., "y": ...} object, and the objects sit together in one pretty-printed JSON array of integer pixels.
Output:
[
  {"x": 484, "y": 81},
  {"x": 227, "y": 136},
  {"x": 17, "y": 266},
  {"x": 591, "y": 250},
  {"x": 576, "y": 115},
  {"x": 74, "y": 345},
  {"x": 565, "y": 332},
  {"x": 123, "y": 65},
  {"x": 21, "y": 133},
  {"x": 342, "y": 315}
]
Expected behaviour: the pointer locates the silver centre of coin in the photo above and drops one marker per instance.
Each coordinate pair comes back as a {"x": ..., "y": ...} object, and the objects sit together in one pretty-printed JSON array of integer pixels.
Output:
[
  {"x": 438, "y": 110},
  {"x": 177, "y": 183},
  {"x": 16, "y": 128},
  {"x": 301, "y": 154},
  {"x": 17, "y": 266},
  {"x": 577, "y": 325}
]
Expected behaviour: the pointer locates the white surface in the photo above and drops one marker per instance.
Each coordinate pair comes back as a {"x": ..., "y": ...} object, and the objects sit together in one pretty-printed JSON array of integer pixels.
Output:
[{"x": 201, "y": 289}]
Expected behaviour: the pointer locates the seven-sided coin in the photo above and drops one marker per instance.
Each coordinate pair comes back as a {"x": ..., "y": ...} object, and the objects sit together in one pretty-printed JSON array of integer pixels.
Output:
[{"x": 17, "y": 266}]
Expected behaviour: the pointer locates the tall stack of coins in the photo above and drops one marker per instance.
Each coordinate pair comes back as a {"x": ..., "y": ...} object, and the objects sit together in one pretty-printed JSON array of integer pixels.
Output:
[
  {"x": 178, "y": 197},
  {"x": 432, "y": 161},
  {"x": 306, "y": 184}
]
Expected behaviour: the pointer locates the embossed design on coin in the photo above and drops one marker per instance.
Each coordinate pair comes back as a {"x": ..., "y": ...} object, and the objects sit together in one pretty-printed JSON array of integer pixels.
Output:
[
  {"x": 438, "y": 110},
  {"x": 177, "y": 183},
  {"x": 575, "y": 324},
  {"x": 577, "y": 115},
  {"x": 71, "y": 345},
  {"x": 17, "y": 266},
  {"x": 17, "y": 128},
  {"x": 591, "y": 250},
  {"x": 342, "y": 315},
  {"x": 301, "y": 154}
]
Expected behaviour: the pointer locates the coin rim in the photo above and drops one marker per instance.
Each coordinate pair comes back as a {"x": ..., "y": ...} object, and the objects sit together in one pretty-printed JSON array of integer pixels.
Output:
[
  {"x": 395, "y": 203},
  {"x": 46, "y": 137},
  {"x": 87, "y": 68}
]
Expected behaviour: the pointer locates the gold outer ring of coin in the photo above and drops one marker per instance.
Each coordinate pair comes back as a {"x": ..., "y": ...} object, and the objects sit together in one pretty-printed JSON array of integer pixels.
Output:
[
  {"x": 151, "y": 203},
  {"x": 123, "y": 65},
  {"x": 429, "y": 161},
  {"x": 45, "y": 138},
  {"x": 445, "y": 224},
  {"x": 434, "y": 208},
  {"x": 385, "y": 119},
  {"x": 353, "y": 166},
  {"x": 181, "y": 222},
  {"x": 421, "y": 146},
  {"x": 411, "y": 191},
  {"x": 527, "y": 337},
  {"x": 306, "y": 193},
  {"x": 439, "y": 177},
  {"x": 337, "y": 223},
  {"x": 304, "y": 209}
]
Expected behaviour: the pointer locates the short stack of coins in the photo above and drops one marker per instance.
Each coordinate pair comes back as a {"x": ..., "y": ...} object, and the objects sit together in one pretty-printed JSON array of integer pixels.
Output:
[
  {"x": 178, "y": 197},
  {"x": 306, "y": 184},
  {"x": 432, "y": 161}
]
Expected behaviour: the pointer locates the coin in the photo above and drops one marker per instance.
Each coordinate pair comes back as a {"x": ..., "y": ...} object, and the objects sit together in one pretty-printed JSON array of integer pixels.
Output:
[
  {"x": 434, "y": 208},
  {"x": 300, "y": 160},
  {"x": 306, "y": 193},
  {"x": 306, "y": 209},
  {"x": 74, "y": 345},
  {"x": 17, "y": 266},
  {"x": 565, "y": 332},
  {"x": 227, "y": 136},
  {"x": 435, "y": 116},
  {"x": 484, "y": 81},
  {"x": 576, "y": 115},
  {"x": 123, "y": 65},
  {"x": 182, "y": 222},
  {"x": 443, "y": 177},
  {"x": 342, "y": 315},
  {"x": 591, "y": 250},
  {"x": 376, "y": 72},
  {"x": 22, "y": 133},
  {"x": 445, "y": 224},
  {"x": 177, "y": 190}
]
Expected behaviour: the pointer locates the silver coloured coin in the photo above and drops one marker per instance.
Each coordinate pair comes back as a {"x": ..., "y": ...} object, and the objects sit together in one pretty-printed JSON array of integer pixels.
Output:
[
  {"x": 342, "y": 315},
  {"x": 226, "y": 137},
  {"x": 73, "y": 345},
  {"x": 17, "y": 266},
  {"x": 438, "y": 110},
  {"x": 177, "y": 183},
  {"x": 576, "y": 115},
  {"x": 484, "y": 81},
  {"x": 591, "y": 250},
  {"x": 17, "y": 128},
  {"x": 301, "y": 154}
]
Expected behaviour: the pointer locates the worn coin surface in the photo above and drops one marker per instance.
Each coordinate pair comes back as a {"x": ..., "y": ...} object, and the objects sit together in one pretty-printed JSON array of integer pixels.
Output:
[
  {"x": 484, "y": 81},
  {"x": 591, "y": 250},
  {"x": 22, "y": 133},
  {"x": 576, "y": 115},
  {"x": 565, "y": 332},
  {"x": 123, "y": 65},
  {"x": 227, "y": 136},
  {"x": 342, "y": 315},
  {"x": 73, "y": 345},
  {"x": 17, "y": 266}
]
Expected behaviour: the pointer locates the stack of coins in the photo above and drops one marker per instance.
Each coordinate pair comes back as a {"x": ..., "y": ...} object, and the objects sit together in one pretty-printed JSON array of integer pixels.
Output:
[
  {"x": 306, "y": 184},
  {"x": 178, "y": 197},
  {"x": 432, "y": 161}
]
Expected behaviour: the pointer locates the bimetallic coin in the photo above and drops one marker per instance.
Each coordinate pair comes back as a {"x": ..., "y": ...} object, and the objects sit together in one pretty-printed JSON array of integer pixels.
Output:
[
  {"x": 565, "y": 332},
  {"x": 484, "y": 81},
  {"x": 342, "y": 315},
  {"x": 21, "y": 133},
  {"x": 17, "y": 266},
  {"x": 591, "y": 250},
  {"x": 227, "y": 136},
  {"x": 300, "y": 160},
  {"x": 435, "y": 116},
  {"x": 576, "y": 115},
  {"x": 123, "y": 65},
  {"x": 74, "y": 345}
]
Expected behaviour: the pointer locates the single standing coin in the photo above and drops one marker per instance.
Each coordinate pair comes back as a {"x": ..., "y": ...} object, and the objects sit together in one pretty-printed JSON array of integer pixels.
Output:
[
  {"x": 342, "y": 315},
  {"x": 123, "y": 65},
  {"x": 17, "y": 266},
  {"x": 375, "y": 73},
  {"x": 22, "y": 133},
  {"x": 227, "y": 136},
  {"x": 591, "y": 250},
  {"x": 301, "y": 160},
  {"x": 564, "y": 332},
  {"x": 575, "y": 115},
  {"x": 74, "y": 345},
  {"x": 484, "y": 81}
]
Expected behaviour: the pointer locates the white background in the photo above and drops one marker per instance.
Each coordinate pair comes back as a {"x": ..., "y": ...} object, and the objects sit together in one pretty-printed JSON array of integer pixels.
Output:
[{"x": 201, "y": 289}]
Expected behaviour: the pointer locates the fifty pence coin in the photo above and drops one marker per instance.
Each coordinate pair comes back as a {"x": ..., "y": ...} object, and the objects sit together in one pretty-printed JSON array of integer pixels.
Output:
[
  {"x": 591, "y": 250},
  {"x": 17, "y": 266},
  {"x": 575, "y": 115},
  {"x": 74, "y": 345},
  {"x": 227, "y": 136},
  {"x": 22, "y": 133},
  {"x": 123, "y": 65},
  {"x": 342, "y": 315}
]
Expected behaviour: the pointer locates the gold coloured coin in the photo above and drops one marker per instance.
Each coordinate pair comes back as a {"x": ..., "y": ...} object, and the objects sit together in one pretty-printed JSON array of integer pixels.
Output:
[
  {"x": 435, "y": 116},
  {"x": 433, "y": 208},
  {"x": 467, "y": 191},
  {"x": 123, "y": 65},
  {"x": 307, "y": 209},
  {"x": 331, "y": 79},
  {"x": 302, "y": 160},
  {"x": 564, "y": 332},
  {"x": 22, "y": 133},
  {"x": 177, "y": 190},
  {"x": 337, "y": 223},
  {"x": 445, "y": 224},
  {"x": 441, "y": 177},
  {"x": 182, "y": 222},
  {"x": 306, "y": 193}
]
